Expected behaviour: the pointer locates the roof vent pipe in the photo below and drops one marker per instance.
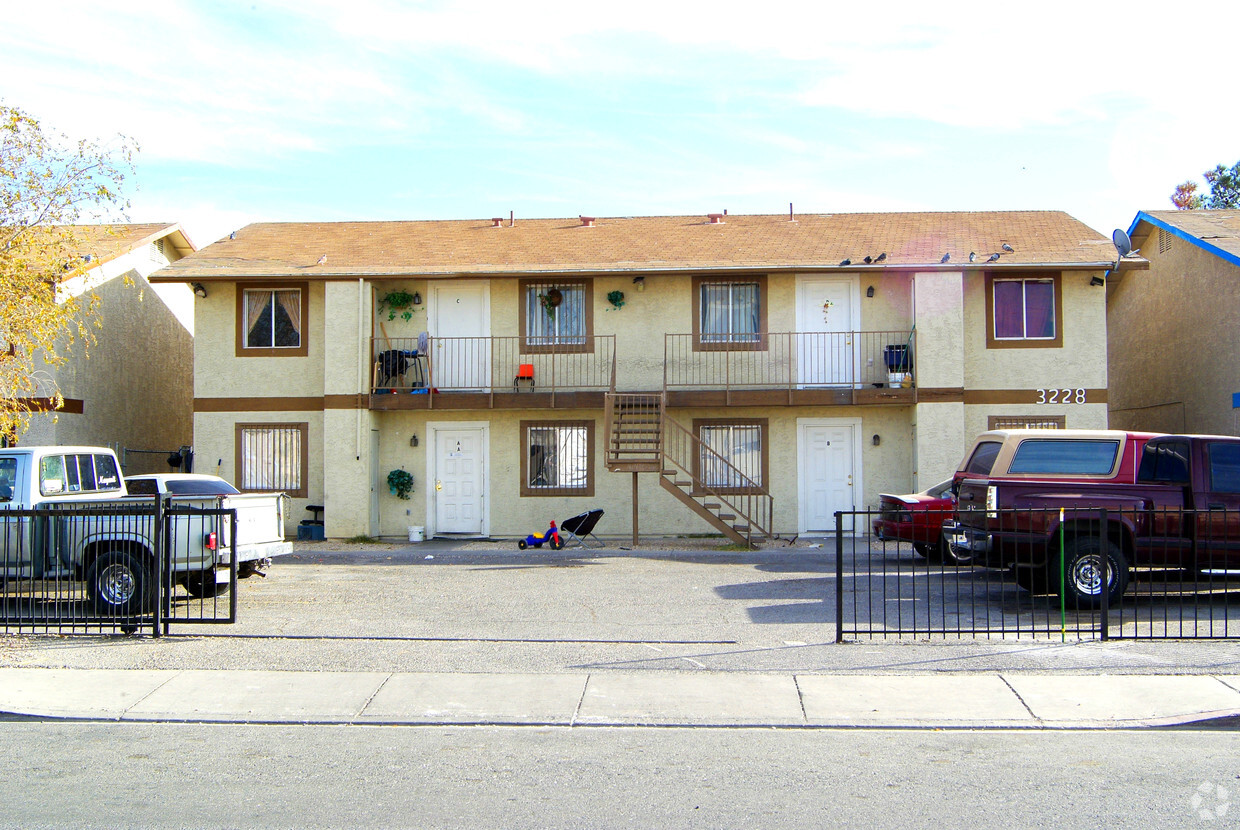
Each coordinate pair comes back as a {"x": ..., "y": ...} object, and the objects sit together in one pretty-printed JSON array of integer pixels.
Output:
[
  {"x": 497, "y": 221},
  {"x": 511, "y": 219},
  {"x": 715, "y": 218},
  {"x": 586, "y": 221}
]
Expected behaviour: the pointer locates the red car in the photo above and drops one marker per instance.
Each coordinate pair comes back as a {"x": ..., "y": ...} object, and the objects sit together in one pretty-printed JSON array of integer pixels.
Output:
[{"x": 917, "y": 518}]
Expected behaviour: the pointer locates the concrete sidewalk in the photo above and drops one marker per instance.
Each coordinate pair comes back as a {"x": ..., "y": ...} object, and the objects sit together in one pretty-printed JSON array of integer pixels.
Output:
[{"x": 1019, "y": 700}]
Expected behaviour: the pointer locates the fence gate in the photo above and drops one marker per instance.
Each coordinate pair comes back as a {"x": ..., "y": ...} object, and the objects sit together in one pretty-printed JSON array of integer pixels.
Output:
[
  {"x": 115, "y": 567},
  {"x": 890, "y": 589}
]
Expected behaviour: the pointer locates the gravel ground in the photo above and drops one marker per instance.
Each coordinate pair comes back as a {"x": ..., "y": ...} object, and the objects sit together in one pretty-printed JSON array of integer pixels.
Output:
[{"x": 486, "y": 607}]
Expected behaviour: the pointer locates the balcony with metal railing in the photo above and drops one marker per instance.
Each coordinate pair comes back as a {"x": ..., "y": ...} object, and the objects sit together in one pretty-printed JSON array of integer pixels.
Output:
[
  {"x": 491, "y": 372},
  {"x": 787, "y": 368}
]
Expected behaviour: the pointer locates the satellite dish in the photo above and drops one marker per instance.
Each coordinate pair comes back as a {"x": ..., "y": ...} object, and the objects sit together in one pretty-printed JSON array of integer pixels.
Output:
[{"x": 1122, "y": 243}]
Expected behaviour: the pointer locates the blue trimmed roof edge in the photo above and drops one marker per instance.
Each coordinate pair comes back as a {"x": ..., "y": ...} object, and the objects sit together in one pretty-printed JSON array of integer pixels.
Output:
[{"x": 1142, "y": 216}]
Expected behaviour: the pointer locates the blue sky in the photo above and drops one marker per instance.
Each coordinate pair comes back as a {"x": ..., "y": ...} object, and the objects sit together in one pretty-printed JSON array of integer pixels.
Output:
[{"x": 375, "y": 109}]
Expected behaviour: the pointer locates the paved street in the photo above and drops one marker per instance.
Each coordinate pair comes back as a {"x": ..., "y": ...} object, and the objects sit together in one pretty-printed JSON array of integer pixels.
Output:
[{"x": 151, "y": 775}]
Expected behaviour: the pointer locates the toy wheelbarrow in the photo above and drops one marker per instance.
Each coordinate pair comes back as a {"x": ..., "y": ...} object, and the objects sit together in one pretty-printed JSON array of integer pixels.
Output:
[{"x": 537, "y": 540}]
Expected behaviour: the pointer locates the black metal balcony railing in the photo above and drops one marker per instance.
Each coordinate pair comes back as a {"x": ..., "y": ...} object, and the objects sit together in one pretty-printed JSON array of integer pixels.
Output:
[
  {"x": 492, "y": 364},
  {"x": 790, "y": 360}
]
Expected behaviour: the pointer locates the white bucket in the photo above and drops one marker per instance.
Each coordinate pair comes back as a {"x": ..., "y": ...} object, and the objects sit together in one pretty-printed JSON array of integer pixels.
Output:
[{"x": 417, "y": 533}]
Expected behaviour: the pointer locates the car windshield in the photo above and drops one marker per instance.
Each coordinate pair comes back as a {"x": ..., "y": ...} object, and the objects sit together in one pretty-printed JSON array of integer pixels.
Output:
[
  {"x": 1065, "y": 457},
  {"x": 199, "y": 487},
  {"x": 983, "y": 457}
]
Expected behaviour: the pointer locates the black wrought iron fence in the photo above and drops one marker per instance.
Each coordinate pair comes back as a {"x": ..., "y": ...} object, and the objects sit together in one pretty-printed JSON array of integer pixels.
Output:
[
  {"x": 1168, "y": 574},
  {"x": 115, "y": 567}
]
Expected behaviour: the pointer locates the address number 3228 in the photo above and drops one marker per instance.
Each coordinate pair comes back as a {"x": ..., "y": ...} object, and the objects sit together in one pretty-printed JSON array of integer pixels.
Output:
[{"x": 1061, "y": 395}]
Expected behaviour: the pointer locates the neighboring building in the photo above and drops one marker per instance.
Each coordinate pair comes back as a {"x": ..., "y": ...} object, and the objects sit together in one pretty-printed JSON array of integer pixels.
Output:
[
  {"x": 1174, "y": 359},
  {"x": 756, "y": 365},
  {"x": 133, "y": 389}
]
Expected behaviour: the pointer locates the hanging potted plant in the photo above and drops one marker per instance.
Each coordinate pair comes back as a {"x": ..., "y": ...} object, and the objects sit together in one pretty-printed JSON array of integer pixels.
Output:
[
  {"x": 616, "y": 298},
  {"x": 400, "y": 483},
  {"x": 550, "y": 301},
  {"x": 395, "y": 301}
]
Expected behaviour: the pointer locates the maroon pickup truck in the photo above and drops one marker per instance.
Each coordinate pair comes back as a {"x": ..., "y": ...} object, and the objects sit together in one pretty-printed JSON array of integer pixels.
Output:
[{"x": 1182, "y": 512}]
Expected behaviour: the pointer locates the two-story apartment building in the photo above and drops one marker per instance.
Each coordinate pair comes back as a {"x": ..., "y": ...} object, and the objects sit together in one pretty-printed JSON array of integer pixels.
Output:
[
  {"x": 694, "y": 374},
  {"x": 133, "y": 388}
]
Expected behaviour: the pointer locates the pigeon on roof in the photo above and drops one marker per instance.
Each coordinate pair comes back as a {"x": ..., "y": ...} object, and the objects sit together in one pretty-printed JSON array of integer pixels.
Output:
[
  {"x": 972, "y": 256},
  {"x": 993, "y": 258},
  {"x": 322, "y": 260},
  {"x": 946, "y": 257},
  {"x": 881, "y": 257},
  {"x": 868, "y": 259},
  {"x": 1008, "y": 248},
  {"x": 845, "y": 262}
]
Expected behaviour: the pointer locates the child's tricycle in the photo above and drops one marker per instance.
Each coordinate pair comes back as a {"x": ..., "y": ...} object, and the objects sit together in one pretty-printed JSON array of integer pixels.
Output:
[{"x": 537, "y": 540}]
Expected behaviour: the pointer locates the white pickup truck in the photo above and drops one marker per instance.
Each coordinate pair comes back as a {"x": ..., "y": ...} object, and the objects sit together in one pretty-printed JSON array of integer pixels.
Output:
[{"x": 99, "y": 535}]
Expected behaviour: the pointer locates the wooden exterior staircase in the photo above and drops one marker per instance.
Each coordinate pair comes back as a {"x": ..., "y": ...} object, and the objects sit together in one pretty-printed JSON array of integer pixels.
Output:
[{"x": 641, "y": 438}]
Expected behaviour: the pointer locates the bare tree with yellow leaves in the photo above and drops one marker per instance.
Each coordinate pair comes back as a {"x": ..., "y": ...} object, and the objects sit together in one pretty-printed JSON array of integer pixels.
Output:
[{"x": 50, "y": 187}]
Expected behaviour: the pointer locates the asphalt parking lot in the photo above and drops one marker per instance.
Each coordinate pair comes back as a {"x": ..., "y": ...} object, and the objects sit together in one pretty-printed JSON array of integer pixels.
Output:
[{"x": 491, "y": 608}]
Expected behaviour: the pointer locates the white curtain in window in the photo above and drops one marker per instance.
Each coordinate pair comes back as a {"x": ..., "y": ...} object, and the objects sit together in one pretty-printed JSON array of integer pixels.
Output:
[
  {"x": 738, "y": 444},
  {"x": 558, "y": 457},
  {"x": 565, "y": 326},
  {"x": 729, "y": 312},
  {"x": 270, "y": 459}
]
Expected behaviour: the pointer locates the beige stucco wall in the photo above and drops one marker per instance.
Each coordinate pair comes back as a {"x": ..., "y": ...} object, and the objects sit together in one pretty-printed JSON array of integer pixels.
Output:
[
  {"x": 220, "y": 373},
  {"x": 1081, "y": 362},
  {"x": 135, "y": 382},
  {"x": 1174, "y": 355}
]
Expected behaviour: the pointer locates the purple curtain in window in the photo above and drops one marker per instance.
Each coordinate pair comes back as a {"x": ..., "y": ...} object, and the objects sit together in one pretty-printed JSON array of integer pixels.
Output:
[
  {"x": 1009, "y": 308},
  {"x": 1039, "y": 309}
]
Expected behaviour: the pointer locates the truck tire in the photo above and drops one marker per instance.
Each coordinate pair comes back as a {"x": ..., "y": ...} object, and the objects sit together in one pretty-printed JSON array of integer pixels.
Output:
[
  {"x": 120, "y": 585},
  {"x": 202, "y": 585},
  {"x": 1036, "y": 580},
  {"x": 1082, "y": 579}
]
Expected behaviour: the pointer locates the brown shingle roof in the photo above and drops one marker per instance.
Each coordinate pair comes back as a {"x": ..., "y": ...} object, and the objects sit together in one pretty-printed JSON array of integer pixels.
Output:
[
  {"x": 1220, "y": 228},
  {"x": 645, "y": 244}
]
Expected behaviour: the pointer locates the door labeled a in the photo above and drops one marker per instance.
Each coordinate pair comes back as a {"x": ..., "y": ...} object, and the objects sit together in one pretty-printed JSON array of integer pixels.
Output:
[
  {"x": 827, "y": 476},
  {"x": 459, "y": 481}
]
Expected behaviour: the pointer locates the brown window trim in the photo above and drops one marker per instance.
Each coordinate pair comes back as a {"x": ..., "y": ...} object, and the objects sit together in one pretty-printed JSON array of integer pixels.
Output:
[
  {"x": 992, "y": 421},
  {"x": 585, "y": 492},
  {"x": 300, "y": 493},
  {"x": 300, "y": 351},
  {"x": 759, "y": 345},
  {"x": 993, "y": 343},
  {"x": 763, "y": 425},
  {"x": 584, "y": 348}
]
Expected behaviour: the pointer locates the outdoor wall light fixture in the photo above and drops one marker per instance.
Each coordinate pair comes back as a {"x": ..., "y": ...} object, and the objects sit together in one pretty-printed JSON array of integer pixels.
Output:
[
  {"x": 1097, "y": 281},
  {"x": 417, "y": 298},
  {"x": 639, "y": 284},
  {"x": 413, "y": 440},
  {"x": 200, "y": 290},
  {"x": 876, "y": 440},
  {"x": 869, "y": 292}
]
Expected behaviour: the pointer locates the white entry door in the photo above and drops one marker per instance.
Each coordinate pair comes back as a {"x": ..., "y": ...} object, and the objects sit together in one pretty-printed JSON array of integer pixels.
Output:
[
  {"x": 460, "y": 480},
  {"x": 825, "y": 353},
  {"x": 460, "y": 321},
  {"x": 828, "y": 478}
]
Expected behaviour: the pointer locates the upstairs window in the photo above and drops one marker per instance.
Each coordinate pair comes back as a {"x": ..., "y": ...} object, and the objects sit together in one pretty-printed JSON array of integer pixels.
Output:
[
  {"x": 556, "y": 316},
  {"x": 1024, "y": 312},
  {"x": 271, "y": 320},
  {"x": 729, "y": 314}
]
